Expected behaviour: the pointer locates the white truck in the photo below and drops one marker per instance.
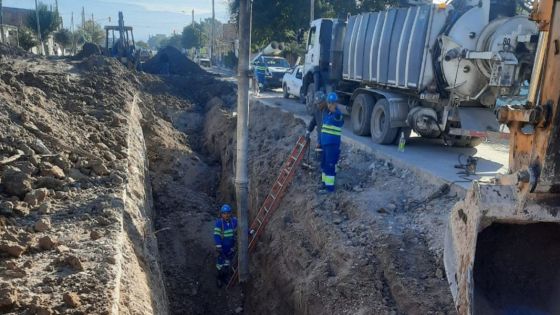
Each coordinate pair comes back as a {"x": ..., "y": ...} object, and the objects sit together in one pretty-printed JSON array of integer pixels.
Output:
[{"x": 437, "y": 69}]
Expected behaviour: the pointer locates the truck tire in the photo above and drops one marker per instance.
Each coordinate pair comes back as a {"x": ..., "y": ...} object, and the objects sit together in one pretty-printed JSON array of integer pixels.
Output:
[
  {"x": 362, "y": 108},
  {"x": 285, "y": 90},
  {"x": 381, "y": 131},
  {"x": 464, "y": 141},
  {"x": 310, "y": 98}
]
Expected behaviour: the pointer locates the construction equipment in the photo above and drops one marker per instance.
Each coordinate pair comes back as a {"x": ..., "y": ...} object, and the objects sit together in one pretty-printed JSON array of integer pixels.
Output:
[
  {"x": 437, "y": 69},
  {"x": 276, "y": 66},
  {"x": 502, "y": 248},
  {"x": 274, "y": 198},
  {"x": 119, "y": 43}
]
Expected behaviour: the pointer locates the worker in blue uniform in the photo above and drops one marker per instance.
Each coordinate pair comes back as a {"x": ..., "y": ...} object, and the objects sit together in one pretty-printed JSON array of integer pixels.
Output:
[
  {"x": 225, "y": 231},
  {"x": 259, "y": 76},
  {"x": 331, "y": 132},
  {"x": 320, "y": 111}
]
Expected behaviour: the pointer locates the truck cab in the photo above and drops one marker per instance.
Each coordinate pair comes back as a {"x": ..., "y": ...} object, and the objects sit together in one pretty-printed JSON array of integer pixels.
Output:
[{"x": 323, "y": 59}]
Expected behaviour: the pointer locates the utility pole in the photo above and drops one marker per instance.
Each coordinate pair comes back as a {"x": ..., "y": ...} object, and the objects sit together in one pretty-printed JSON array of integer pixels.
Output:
[
  {"x": 193, "y": 17},
  {"x": 241, "y": 177},
  {"x": 41, "y": 45},
  {"x": 83, "y": 18},
  {"x": 312, "y": 10},
  {"x": 2, "y": 22},
  {"x": 213, "y": 33},
  {"x": 73, "y": 34}
]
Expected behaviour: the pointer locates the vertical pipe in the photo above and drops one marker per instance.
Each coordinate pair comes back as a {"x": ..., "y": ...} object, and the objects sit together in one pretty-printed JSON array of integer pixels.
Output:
[
  {"x": 312, "y": 10},
  {"x": 241, "y": 177},
  {"x": 2, "y": 22}
]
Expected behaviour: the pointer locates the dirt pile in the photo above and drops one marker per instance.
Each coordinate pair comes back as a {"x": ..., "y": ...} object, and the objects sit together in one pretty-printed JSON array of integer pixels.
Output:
[
  {"x": 365, "y": 250},
  {"x": 64, "y": 160},
  {"x": 11, "y": 51},
  {"x": 171, "y": 58},
  {"x": 88, "y": 50}
]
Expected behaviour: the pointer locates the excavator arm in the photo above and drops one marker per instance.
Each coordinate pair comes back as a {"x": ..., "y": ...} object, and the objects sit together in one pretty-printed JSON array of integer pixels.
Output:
[{"x": 502, "y": 248}]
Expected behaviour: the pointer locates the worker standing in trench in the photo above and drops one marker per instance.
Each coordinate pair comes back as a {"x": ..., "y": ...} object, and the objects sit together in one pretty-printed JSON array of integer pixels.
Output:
[
  {"x": 225, "y": 231},
  {"x": 331, "y": 131}
]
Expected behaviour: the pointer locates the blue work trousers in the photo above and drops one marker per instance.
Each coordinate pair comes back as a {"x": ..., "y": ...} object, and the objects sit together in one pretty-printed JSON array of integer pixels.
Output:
[
  {"x": 331, "y": 154},
  {"x": 224, "y": 260}
]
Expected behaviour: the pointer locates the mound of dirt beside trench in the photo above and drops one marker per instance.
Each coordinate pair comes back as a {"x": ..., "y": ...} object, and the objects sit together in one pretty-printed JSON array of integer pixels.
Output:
[{"x": 177, "y": 62}]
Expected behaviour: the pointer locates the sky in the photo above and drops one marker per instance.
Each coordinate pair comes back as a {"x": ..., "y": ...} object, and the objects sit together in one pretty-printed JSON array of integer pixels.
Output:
[{"x": 147, "y": 17}]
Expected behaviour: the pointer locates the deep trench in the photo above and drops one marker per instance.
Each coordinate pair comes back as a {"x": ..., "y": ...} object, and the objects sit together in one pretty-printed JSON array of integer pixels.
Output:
[
  {"x": 305, "y": 263},
  {"x": 188, "y": 186}
]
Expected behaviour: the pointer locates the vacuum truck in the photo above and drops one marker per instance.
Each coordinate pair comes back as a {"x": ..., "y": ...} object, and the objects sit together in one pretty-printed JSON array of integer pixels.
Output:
[{"x": 435, "y": 69}]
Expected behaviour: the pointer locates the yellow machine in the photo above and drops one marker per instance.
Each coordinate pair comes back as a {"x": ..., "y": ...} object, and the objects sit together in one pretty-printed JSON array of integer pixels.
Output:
[{"x": 502, "y": 251}]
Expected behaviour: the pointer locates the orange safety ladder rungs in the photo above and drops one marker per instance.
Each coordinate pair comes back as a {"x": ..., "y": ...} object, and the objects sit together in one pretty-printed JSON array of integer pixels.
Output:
[{"x": 273, "y": 199}]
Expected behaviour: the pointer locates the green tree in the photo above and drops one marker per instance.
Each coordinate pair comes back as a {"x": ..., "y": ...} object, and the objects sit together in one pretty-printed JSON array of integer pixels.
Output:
[
  {"x": 91, "y": 32},
  {"x": 63, "y": 37},
  {"x": 49, "y": 20},
  {"x": 173, "y": 41},
  {"x": 155, "y": 41},
  {"x": 26, "y": 38},
  {"x": 193, "y": 36},
  {"x": 142, "y": 44},
  {"x": 280, "y": 20}
]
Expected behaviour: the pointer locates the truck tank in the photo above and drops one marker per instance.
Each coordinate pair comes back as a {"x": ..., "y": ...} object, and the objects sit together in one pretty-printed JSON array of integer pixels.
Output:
[{"x": 441, "y": 51}]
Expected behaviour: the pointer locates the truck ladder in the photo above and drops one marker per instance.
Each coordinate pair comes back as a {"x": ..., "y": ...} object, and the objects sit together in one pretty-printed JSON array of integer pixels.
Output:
[{"x": 273, "y": 199}]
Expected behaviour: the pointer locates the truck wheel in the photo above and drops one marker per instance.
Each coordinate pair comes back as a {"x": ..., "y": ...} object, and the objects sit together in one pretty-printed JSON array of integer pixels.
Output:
[
  {"x": 362, "y": 108},
  {"x": 285, "y": 90},
  {"x": 381, "y": 131},
  {"x": 464, "y": 141},
  {"x": 310, "y": 98}
]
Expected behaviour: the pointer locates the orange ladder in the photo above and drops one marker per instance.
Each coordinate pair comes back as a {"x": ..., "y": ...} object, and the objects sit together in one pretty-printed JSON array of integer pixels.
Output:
[{"x": 273, "y": 199}]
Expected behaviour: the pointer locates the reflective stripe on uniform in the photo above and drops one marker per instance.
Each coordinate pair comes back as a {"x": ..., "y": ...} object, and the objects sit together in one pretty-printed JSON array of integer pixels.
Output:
[
  {"x": 217, "y": 231},
  {"x": 323, "y": 177},
  {"x": 330, "y": 129},
  {"x": 329, "y": 180}
]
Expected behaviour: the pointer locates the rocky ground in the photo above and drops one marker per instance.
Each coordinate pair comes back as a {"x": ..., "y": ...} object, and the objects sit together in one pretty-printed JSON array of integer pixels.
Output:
[
  {"x": 374, "y": 247},
  {"x": 110, "y": 181}
]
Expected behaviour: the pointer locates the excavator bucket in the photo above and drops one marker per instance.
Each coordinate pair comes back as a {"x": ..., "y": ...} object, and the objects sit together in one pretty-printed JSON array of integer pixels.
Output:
[
  {"x": 502, "y": 257},
  {"x": 502, "y": 247}
]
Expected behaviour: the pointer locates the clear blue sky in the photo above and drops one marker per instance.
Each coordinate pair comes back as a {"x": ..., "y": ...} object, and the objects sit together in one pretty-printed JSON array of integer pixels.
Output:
[{"x": 148, "y": 17}]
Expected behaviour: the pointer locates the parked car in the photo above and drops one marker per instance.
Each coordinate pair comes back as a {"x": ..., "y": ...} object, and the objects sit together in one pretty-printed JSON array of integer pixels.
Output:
[
  {"x": 205, "y": 62},
  {"x": 275, "y": 66},
  {"x": 292, "y": 82}
]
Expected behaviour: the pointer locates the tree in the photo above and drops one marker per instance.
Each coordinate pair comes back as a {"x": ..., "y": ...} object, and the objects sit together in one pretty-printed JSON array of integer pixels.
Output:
[
  {"x": 92, "y": 32},
  {"x": 49, "y": 20},
  {"x": 142, "y": 45},
  {"x": 26, "y": 38},
  {"x": 63, "y": 37},
  {"x": 174, "y": 41},
  {"x": 280, "y": 20},
  {"x": 155, "y": 41},
  {"x": 193, "y": 36}
]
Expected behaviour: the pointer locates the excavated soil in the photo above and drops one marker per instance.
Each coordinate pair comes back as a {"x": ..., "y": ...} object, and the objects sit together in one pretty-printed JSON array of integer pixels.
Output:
[
  {"x": 111, "y": 181},
  {"x": 374, "y": 247}
]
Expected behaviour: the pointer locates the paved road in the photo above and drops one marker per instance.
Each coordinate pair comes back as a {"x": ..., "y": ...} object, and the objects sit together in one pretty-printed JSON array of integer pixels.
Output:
[{"x": 421, "y": 155}]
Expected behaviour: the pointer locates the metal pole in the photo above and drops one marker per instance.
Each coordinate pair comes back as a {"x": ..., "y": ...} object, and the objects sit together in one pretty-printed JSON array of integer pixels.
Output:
[
  {"x": 213, "y": 33},
  {"x": 41, "y": 45},
  {"x": 312, "y": 10},
  {"x": 193, "y": 17},
  {"x": 2, "y": 22},
  {"x": 241, "y": 177}
]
